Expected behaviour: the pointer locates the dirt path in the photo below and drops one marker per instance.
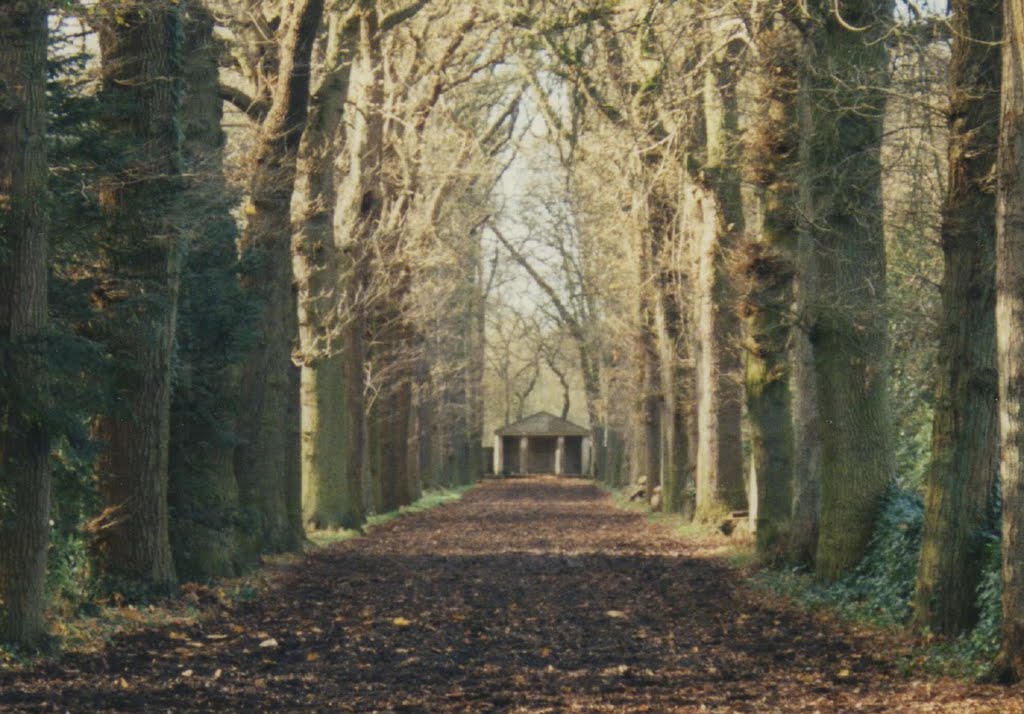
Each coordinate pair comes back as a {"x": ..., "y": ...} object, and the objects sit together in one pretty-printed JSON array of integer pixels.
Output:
[{"x": 525, "y": 596}]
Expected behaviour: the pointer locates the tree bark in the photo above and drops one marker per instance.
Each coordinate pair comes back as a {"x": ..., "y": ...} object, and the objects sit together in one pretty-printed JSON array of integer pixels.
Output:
[
  {"x": 1010, "y": 337},
  {"x": 806, "y": 420},
  {"x": 719, "y": 460},
  {"x": 357, "y": 215},
  {"x": 145, "y": 248},
  {"x": 965, "y": 428},
  {"x": 24, "y": 441},
  {"x": 213, "y": 327},
  {"x": 768, "y": 270},
  {"x": 268, "y": 461},
  {"x": 326, "y": 447},
  {"x": 849, "y": 332}
]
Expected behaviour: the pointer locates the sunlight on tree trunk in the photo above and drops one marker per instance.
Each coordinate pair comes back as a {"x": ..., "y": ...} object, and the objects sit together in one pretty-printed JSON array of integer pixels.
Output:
[{"x": 1010, "y": 337}]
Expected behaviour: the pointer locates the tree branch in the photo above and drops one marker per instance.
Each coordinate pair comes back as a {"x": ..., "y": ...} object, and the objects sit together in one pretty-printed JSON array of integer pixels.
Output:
[
  {"x": 396, "y": 18},
  {"x": 255, "y": 109},
  {"x": 568, "y": 319}
]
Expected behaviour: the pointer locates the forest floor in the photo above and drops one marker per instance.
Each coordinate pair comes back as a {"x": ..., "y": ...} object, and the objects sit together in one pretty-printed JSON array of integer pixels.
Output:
[{"x": 531, "y": 595}]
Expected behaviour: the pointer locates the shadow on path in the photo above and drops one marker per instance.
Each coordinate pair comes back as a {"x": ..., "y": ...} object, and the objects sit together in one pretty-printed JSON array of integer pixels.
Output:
[{"x": 533, "y": 595}]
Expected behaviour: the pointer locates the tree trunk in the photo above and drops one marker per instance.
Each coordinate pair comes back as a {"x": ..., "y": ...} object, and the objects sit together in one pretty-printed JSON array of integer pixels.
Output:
[
  {"x": 1010, "y": 336},
  {"x": 675, "y": 458},
  {"x": 651, "y": 407},
  {"x": 849, "y": 333},
  {"x": 964, "y": 429},
  {"x": 268, "y": 461},
  {"x": 395, "y": 417},
  {"x": 145, "y": 248},
  {"x": 806, "y": 508},
  {"x": 213, "y": 328},
  {"x": 768, "y": 269},
  {"x": 24, "y": 441},
  {"x": 720, "y": 481},
  {"x": 326, "y": 447},
  {"x": 356, "y": 218}
]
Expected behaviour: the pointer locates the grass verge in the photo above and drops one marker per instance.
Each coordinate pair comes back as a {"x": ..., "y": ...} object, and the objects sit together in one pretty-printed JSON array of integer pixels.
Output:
[
  {"x": 737, "y": 549},
  {"x": 431, "y": 498}
]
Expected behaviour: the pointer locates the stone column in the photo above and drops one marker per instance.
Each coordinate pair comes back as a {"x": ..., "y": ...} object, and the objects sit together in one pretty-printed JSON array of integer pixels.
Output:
[
  {"x": 560, "y": 456},
  {"x": 524, "y": 454},
  {"x": 499, "y": 457}
]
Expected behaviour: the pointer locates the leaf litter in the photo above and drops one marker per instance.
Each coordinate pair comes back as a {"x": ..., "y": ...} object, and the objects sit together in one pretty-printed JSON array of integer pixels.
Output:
[{"x": 528, "y": 595}]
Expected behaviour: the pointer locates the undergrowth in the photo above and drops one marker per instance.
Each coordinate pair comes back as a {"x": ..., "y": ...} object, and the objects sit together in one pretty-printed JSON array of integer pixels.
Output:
[{"x": 880, "y": 590}]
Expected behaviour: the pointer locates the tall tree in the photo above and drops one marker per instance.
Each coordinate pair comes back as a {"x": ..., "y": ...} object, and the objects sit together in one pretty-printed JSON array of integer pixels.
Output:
[
  {"x": 848, "y": 333},
  {"x": 214, "y": 332},
  {"x": 964, "y": 430},
  {"x": 806, "y": 415},
  {"x": 268, "y": 460},
  {"x": 768, "y": 270},
  {"x": 24, "y": 441},
  {"x": 329, "y": 499},
  {"x": 719, "y": 477},
  {"x": 356, "y": 219},
  {"x": 143, "y": 247},
  {"x": 1010, "y": 336}
]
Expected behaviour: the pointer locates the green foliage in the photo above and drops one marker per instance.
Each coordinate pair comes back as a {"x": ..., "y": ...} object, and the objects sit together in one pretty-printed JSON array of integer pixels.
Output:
[
  {"x": 880, "y": 589},
  {"x": 68, "y": 575},
  {"x": 216, "y": 329}
]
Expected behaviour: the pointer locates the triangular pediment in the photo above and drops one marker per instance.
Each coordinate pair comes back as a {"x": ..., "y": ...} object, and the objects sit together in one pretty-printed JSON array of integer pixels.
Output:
[{"x": 542, "y": 424}]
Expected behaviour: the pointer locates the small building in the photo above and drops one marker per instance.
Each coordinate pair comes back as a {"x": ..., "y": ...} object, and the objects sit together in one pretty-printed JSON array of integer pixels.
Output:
[{"x": 542, "y": 444}]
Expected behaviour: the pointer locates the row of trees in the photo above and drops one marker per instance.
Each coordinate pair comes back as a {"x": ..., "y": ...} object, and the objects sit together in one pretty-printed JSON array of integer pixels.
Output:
[
  {"x": 277, "y": 317},
  {"x": 242, "y": 286},
  {"x": 752, "y": 174}
]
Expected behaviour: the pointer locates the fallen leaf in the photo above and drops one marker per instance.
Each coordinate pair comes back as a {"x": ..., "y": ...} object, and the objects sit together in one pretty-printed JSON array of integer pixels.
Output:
[{"x": 268, "y": 643}]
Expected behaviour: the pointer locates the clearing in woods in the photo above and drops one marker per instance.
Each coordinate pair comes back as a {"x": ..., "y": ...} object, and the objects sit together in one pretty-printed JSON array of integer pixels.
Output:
[{"x": 532, "y": 595}]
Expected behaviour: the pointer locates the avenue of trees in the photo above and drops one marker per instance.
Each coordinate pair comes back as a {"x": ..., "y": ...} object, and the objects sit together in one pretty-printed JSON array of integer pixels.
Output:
[{"x": 260, "y": 272}]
